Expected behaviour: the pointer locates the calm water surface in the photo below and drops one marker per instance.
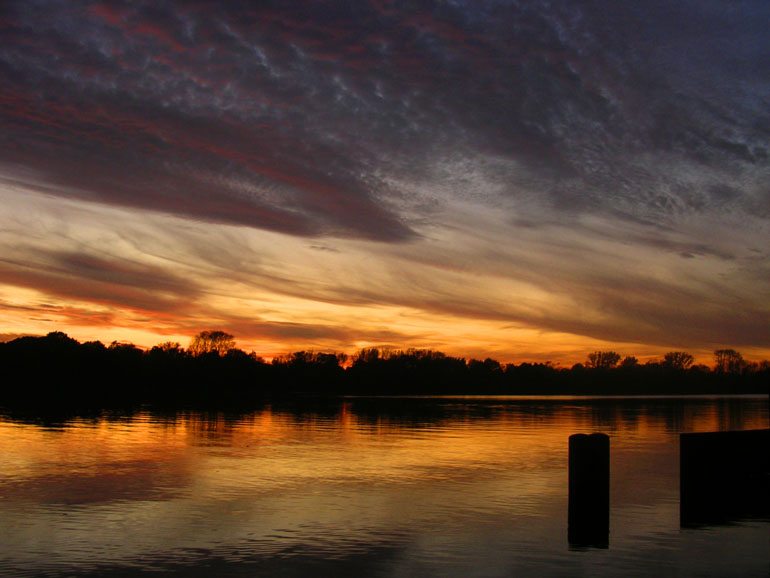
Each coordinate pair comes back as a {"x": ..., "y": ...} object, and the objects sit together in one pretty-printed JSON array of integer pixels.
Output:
[{"x": 361, "y": 487}]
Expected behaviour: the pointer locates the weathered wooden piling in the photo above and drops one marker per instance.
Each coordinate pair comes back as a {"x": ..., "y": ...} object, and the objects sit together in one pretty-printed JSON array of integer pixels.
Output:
[
  {"x": 588, "y": 522},
  {"x": 723, "y": 476}
]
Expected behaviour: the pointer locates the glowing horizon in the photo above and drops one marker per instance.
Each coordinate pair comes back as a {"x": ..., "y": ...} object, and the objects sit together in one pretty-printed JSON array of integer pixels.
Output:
[{"x": 487, "y": 181}]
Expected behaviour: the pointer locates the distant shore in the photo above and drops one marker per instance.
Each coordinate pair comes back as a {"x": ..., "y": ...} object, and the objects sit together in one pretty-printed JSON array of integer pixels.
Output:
[{"x": 58, "y": 370}]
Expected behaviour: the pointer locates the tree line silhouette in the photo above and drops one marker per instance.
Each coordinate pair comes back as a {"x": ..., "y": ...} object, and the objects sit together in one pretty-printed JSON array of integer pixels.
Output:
[{"x": 56, "y": 369}]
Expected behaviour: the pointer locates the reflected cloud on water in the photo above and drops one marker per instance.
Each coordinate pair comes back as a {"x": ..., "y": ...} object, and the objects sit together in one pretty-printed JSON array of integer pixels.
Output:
[{"x": 381, "y": 487}]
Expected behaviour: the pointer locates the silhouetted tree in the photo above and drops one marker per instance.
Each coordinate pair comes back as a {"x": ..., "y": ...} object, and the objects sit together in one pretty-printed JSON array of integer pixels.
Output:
[
  {"x": 310, "y": 372},
  {"x": 94, "y": 346},
  {"x": 214, "y": 341},
  {"x": 60, "y": 338},
  {"x": 602, "y": 359},
  {"x": 486, "y": 375},
  {"x": 168, "y": 348},
  {"x": 123, "y": 375},
  {"x": 488, "y": 366},
  {"x": 125, "y": 348},
  {"x": 728, "y": 361},
  {"x": 126, "y": 360},
  {"x": 629, "y": 361},
  {"x": 367, "y": 355},
  {"x": 678, "y": 360}
]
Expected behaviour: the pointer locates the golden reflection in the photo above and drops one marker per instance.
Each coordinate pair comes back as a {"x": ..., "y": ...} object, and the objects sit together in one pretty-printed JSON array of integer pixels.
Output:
[
  {"x": 408, "y": 441},
  {"x": 324, "y": 476}
]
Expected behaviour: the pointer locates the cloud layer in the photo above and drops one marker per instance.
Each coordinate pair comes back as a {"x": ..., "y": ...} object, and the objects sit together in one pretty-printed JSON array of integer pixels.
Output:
[{"x": 571, "y": 169}]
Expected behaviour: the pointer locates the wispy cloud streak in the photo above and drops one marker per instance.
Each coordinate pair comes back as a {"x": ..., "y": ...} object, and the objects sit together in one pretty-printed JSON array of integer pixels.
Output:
[{"x": 574, "y": 168}]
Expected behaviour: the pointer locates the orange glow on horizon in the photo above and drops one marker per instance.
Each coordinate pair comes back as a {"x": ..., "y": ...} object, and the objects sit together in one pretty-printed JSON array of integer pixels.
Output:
[{"x": 156, "y": 282}]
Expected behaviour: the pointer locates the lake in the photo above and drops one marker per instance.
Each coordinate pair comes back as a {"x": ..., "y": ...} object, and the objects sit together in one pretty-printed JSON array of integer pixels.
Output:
[{"x": 362, "y": 487}]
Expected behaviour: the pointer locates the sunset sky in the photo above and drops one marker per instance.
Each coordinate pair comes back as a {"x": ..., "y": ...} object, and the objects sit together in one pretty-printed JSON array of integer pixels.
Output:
[{"x": 528, "y": 181}]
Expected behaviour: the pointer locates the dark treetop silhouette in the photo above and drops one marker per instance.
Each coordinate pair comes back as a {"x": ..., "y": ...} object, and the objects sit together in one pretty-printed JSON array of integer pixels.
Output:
[{"x": 56, "y": 369}]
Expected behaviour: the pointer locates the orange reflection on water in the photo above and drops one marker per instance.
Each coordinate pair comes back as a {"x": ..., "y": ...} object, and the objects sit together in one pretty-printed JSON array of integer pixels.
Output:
[
  {"x": 332, "y": 478},
  {"x": 352, "y": 441}
]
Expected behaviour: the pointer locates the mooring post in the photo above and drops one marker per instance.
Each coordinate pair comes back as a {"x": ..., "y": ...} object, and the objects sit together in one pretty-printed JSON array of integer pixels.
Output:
[
  {"x": 589, "y": 490},
  {"x": 723, "y": 476}
]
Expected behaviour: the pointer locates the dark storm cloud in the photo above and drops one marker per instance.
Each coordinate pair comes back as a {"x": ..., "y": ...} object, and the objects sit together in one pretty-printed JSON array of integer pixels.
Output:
[{"x": 291, "y": 116}]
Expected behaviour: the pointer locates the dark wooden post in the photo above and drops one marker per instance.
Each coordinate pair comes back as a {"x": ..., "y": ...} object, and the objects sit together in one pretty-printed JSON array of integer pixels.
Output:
[
  {"x": 723, "y": 476},
  {"x": 589, "y": 491}
]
